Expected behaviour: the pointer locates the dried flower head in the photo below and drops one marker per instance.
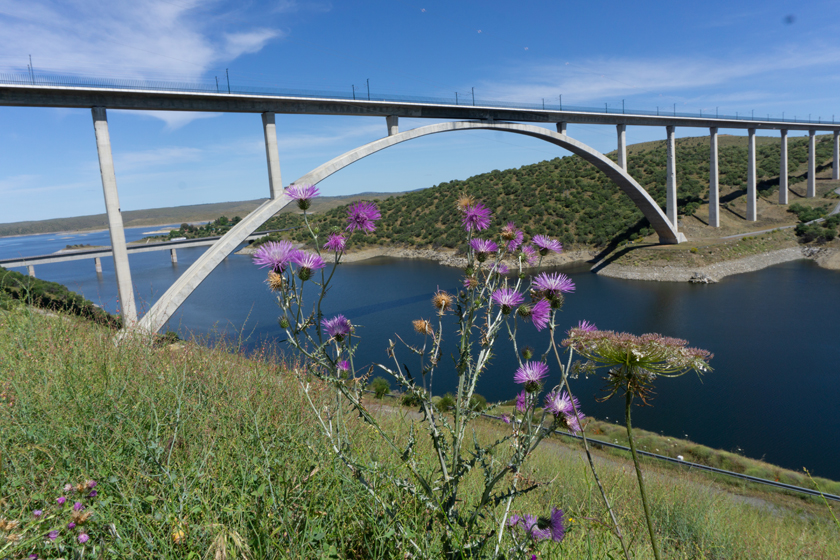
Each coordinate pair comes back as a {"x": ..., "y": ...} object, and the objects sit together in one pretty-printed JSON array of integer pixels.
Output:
[
  {"x": 442, "y": 301},
  {"x": 423, "y": 326},
  {"x": 275, "y": 281},
  {"x": 464, "y": 201}
]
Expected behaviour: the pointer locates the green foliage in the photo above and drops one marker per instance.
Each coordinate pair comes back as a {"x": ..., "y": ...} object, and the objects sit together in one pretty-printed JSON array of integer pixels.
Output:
[
  {"x": 820, "y": 232},
  {"x": 380, "y": 387},
  {"x": 478, "y": 402},
  {"x": 807, "y": 213},
  {"x": 446, "y": 402},
  {"x": 51, "y": 296}
]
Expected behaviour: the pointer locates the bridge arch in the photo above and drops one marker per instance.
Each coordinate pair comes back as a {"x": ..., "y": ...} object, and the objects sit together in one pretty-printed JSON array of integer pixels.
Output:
[{"x": 169, "y": 302}]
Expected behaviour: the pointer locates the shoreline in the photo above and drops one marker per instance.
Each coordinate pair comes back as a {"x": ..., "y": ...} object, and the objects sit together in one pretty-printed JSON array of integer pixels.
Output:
[{"x": 827, "y": 258}]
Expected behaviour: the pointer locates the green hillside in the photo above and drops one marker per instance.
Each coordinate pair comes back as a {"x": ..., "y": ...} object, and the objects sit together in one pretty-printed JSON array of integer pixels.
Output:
[{"x": 571, "y": 200}]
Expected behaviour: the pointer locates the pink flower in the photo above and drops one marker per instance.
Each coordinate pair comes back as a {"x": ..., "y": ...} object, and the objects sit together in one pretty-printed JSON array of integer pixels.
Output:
[
  {"x": 78, "y": 506},
  {"x": 52, "y": 535},
  {"x": 476, "y": 217},
  {"x": 276, "y": 254},
  {"x": 540, "y": 313},
  {"x": 336, "y": 243},
  {"x": 531, "y": 375},
  {"x": 83, "y": 538},
  {"x": 61, "y": 500},
  {"x": 362, "y": 215},
  {"x": 554, "y": 284},
  {"x": 37, "y": 513},
  {"x": 507, "y": 298},
  {"x": 303, "y": 194}
]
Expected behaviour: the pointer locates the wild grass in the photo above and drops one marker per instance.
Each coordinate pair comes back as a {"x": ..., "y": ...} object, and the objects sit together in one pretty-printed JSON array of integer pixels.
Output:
[{"x": 207, "y": 453}]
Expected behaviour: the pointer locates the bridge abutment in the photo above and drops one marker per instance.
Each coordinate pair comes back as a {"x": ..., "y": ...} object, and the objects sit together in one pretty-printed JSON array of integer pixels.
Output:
[
  {"x": 671, "y": 178},
  {"x": 714, "y": 179},
  {"x": 812, "y": 164},
  {"x": 115, "y": 222},
  {"x": 783, "y": 170},
  {"x": 275, "y": 181},
  {"x": 621, "y": 129},
  {"x": 752, "y": 212}
]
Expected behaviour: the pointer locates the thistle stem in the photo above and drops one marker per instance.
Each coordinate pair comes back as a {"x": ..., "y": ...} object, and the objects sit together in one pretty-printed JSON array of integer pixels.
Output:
[{"x": 629, "y": 400}]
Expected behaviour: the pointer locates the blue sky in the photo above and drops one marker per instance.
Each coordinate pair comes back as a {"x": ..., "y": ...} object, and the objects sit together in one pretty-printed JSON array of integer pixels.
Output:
[{"x": 764, "y": 56}]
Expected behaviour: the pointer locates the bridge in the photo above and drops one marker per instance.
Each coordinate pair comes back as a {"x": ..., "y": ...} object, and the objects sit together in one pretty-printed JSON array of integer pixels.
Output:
[{"x": 461, "y": 114}]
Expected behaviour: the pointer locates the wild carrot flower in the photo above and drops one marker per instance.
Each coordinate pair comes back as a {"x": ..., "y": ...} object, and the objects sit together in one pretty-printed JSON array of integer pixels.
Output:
[
  {"x": 476, "y": 217},
  {"x": 303, "y": 194},
  {"x": 307, "y": 262},
  {"x": 546, "y": 244},
  {"x": 362, "y": 215},
  {"x": 507, "y": 299},
  {"x": 552, "y": 285},
  {"x": 276, "y": 254},
  {"x": 336, "y": 243},
  {"x": 531, "y": 375},
  {"x": 338, "y": 327}
]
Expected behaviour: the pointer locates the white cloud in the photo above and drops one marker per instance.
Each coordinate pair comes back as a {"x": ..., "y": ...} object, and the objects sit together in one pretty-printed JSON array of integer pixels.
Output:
[{"x": 147, "y": 39}]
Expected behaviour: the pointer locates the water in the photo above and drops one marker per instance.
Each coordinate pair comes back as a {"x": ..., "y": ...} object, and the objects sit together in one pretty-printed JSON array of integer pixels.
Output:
[{"x": 773, "y": 392}]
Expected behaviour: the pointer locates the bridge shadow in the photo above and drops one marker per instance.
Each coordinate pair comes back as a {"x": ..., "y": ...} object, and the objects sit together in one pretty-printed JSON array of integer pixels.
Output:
[{"x": 609, "y": 254}]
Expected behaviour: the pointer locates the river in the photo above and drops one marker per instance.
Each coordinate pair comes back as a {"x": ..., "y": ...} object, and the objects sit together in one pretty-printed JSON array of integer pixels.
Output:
[{"x": 773, "y": 394}]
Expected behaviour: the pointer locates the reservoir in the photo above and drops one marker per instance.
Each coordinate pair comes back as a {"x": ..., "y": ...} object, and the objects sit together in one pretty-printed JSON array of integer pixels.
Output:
[{"x": 773, "y": 394}]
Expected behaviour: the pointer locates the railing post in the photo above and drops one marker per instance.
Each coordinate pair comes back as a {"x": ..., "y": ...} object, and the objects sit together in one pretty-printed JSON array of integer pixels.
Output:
[
  {"x": 671, "y": 178},
  {"x": 783, "y": 170},
  {"x": 812, "y": 163},
  {"x": 275, "y": 182},
  {"x": 622, "y": 145},
  {"x": 714, "y": 179},
  {"x": 752, "y": 213},
  {"x": 115, "y": 222}
]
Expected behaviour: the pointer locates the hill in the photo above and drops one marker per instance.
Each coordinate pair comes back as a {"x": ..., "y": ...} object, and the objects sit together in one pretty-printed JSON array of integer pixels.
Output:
[{"x": 571, "y": 200}]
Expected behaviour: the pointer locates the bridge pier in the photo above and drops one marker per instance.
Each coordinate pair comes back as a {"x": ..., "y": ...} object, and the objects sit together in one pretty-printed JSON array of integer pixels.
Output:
[
  {"x": 671, "y": 178},
  {"x": 173, "y": 256},
  {"x": 752, "y": 213},
  {"x": 31, "y": 270},
  {"x": 275, "y": 182},
  {"x": 714, "y": 179},
  {"x": 783, "y": 170},
  {"x": 835, "y": 167},
  {"x": 812, "y": 164},
  {"x": 97, "y": 264},
  {"x": 392, "y": 122},
  {"x": 561, "y": 128},
  {"x": 115, "y": 222},
  {"x": 622, "y": 145}
]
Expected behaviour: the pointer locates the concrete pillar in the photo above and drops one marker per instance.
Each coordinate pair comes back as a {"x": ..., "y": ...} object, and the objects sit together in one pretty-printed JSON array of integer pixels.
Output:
[
  {"x": 115, "y": 222},
  {"x": 392, "y": 122},
  {"x": 97, "y": 263},
  {"x": 812, "y": 164},
  {"x": 714, "y": 179},
  {"x": 31, "y": 270},
  {"x": 561, "y": 128},
  {"x": 671, "y": 179},
  {"x": 752, "y": 214},
  {"x": 173, "y": 256},
  {"x": 783, "y": 171},
  {"x": 622, "y": 146},
  {"x": 275, "y": 182},
  {"x": 835, "y": 168}
]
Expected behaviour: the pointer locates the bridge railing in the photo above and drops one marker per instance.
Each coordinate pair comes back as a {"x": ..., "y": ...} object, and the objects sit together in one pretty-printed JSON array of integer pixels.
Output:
[{"x": 226, "y": 87}]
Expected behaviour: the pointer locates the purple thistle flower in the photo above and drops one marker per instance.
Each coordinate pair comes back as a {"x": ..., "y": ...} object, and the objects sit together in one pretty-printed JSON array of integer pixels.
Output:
[
  {"x": 531, "y": 254},
  {"x": 513, "y": 236},
  {"x": 554, "y": 284},
  {"x": 557, "y": 525},
  {"x": 574, "y": 422},
  {"x": 586, "y": 326},
  {"x": 303, "y": 194},
  {"x": 507, "y": 298},
  {"x": 336, "y": 243},
  {"x": 476, "y": 217},
  {"x": 307, "y": 262},
  {"x": 531, "y": 374},
  {"x": 483, "y": 247},
  {"x": 540, "y": 313},
  {"x": 361, "y": 216},
  {"x": 514, "y": 520},
  {"x": 505, "y": 418},
  {"x": 61, "y": 500},
  {"x": 547, "y": 244},
  {"x": 531, "y": 526},
  {"x": 275, "y": 254},
  {"x": 343, "y": 365},
  {"x": 501, "y": 269},
  {"x": 521, "y": 401},
  {"x": 83, "y": 538},
  {"x": 338, "y": 327},
  {"x": 37, "y": 513},
  {"x": 78, "y": 506},
  {"x": 93, "y": 494},
  {"x": 52, "y": 535},
  {"x": 91, "y": 483},
  {"x": 71, "y": 525},
  {"x": 560, "y": 404}
]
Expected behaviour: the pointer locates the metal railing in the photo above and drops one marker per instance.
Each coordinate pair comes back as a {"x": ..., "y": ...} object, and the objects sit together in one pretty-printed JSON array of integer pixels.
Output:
[{"x": 226, "y": 87}]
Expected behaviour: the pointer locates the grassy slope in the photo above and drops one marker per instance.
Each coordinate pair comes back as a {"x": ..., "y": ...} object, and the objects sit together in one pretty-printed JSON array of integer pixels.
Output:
[
  {"x": 222, "y": 448},
  {"x": 569, "y": 199}
]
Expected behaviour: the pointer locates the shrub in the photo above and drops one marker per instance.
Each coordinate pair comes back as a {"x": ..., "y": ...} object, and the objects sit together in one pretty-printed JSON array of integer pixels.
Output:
[{"x": 380, "y": 387}]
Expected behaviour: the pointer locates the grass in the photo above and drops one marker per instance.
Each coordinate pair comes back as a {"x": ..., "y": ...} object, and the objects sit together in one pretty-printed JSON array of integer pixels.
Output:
[{"x": 207, "y": 453}]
